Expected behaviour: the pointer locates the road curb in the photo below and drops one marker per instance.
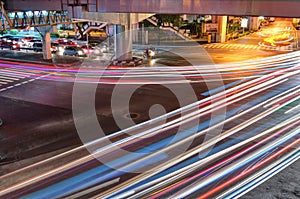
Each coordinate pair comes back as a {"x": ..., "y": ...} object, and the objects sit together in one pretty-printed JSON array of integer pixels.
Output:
[{"x": 37, "y": 62}]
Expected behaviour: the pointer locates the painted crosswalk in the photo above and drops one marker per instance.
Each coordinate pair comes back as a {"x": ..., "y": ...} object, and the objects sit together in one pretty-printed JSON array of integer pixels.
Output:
[
  {"x": 13, "y": 77},
  {"x": 246, "y": 46}
]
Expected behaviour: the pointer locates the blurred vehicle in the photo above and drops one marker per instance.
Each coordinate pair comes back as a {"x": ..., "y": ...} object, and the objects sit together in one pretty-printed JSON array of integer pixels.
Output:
[
  {"x": 149, "y": 53},
  {"x": 4, "y": 39},
  {"x": 66, "y": 42},
  {"x": 54, "y": 47},
  {"x": 16, "y": 44},
  {"x": 13, "y": 43},
  {"x": 91, "y": 50},
  {"x": 30, "y": 43},
  {"x": 28, "y": 39},
  {"x": 74, "y": 51},
  {"x": 271, "y": 19},
  {"x": 298, "y": 26},
  {"x": 104, "y": 48},
  {"x": 38, "y": 47}
]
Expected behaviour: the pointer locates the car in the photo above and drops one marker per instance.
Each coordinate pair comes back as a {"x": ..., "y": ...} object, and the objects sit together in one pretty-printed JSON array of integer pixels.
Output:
[
  {"x": 37, "y": 47},
  {"x": 66, "y": 42},
  {"x": 30, "y": 43},
  {"x": 54, "y": 47},
  {"x": 28, "y": 39},
  {"x": 271, "y": 19},
  {"x": 74, "y": 51},
  {"x": 13, "y": 43},
  {"x": 90, "y": 50}
]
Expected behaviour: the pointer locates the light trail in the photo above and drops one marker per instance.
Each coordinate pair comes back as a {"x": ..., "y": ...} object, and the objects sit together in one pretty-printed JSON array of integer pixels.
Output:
[
  {"x": 292, "y": 109},
  {"x": 261, "y": 176},
  {"x": 231, "y": 158},
  {"x": 68, "y": 166},
  {"x": 230, "y": 168},
  {"x": 137, "y": 75},
  {"x": 218, "y": 188},
  {"x": 192, "y": 166},
  {"x": 175, "y": 161},
  {"x": 260, "y": 84}
]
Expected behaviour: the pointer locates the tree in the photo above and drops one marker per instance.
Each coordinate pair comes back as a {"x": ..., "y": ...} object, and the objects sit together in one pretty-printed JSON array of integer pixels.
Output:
[{"x": 169, "y": 19}]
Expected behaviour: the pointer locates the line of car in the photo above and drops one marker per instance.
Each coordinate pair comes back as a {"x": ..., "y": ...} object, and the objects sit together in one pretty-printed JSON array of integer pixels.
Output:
[{"x": 60, "y": 46}]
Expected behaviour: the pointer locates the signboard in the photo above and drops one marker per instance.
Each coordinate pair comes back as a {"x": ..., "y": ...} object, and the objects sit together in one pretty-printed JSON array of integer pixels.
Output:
[
  {"x": 211, "y": 27},
  {"x": 244, "y": 23}
]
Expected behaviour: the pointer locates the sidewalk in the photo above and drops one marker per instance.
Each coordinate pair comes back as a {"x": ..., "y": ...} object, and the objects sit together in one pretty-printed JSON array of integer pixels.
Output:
[{"x": 37, "y": 58}]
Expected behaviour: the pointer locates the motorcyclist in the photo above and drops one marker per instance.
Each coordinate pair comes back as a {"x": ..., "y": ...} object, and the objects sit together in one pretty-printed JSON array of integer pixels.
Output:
[
  {"x": 147, "y": 52},
  {"x": 152, "y": 48}
]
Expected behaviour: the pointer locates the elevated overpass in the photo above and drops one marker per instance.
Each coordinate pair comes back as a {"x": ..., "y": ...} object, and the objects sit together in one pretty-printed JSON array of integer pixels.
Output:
[
  {"x": 105, "y": 11},
  {"x": 280, "y": 8}
]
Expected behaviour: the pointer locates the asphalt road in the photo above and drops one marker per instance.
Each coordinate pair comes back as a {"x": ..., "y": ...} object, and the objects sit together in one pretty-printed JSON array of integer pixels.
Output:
[{"x": 38, "y": 117}]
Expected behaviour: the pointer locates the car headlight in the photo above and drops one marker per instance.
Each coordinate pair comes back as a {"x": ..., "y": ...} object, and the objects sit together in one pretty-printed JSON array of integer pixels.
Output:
[{"x": 80, "y": 53}]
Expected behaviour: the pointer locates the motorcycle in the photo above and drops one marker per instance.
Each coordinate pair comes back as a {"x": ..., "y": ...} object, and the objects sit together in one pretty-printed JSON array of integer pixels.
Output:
[{"x": 149, "y": 53}]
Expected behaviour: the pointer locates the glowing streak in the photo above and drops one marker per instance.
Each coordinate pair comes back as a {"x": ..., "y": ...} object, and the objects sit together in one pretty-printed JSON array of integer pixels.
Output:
[
  {"x": 183, "y": 171},
  {"x": 227, "y": 159},
  {"x": 222, "y": 186},
  {"x": 284, "y": 95},
  {"x": 292, "y": 109},
  {"x": 266, "y": 173}
]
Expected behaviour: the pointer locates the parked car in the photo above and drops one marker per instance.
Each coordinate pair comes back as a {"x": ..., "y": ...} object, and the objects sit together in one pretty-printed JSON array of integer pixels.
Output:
[
  {"x": 13, "y": 43},
  {"x": 74, "y": 51},
  {"x": 29, "y": 44},
  {"x": 38, "y": 47},
  {"x": 27, "y": 39}
]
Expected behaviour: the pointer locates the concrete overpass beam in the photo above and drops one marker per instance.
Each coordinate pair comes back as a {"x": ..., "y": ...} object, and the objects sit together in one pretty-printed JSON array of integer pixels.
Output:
[{"x": 115, "y": 18}]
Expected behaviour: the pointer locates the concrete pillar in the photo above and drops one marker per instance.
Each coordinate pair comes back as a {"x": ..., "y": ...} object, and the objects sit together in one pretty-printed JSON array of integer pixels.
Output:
[
  {"x": 123, "y": 39},
  {"x": 123, "y": 43},
  {"x": 45, "y": 32},
  {"x": 137, "y": 33},
  {"x": 254, "y": 23},
  {"x": 214, "y": 19},
  {"x": 146, "y": 37},
  {"x": 222, "y": 26},
  {"x": 143, "y": 34},
  {"x": 47, "y": 55}
]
